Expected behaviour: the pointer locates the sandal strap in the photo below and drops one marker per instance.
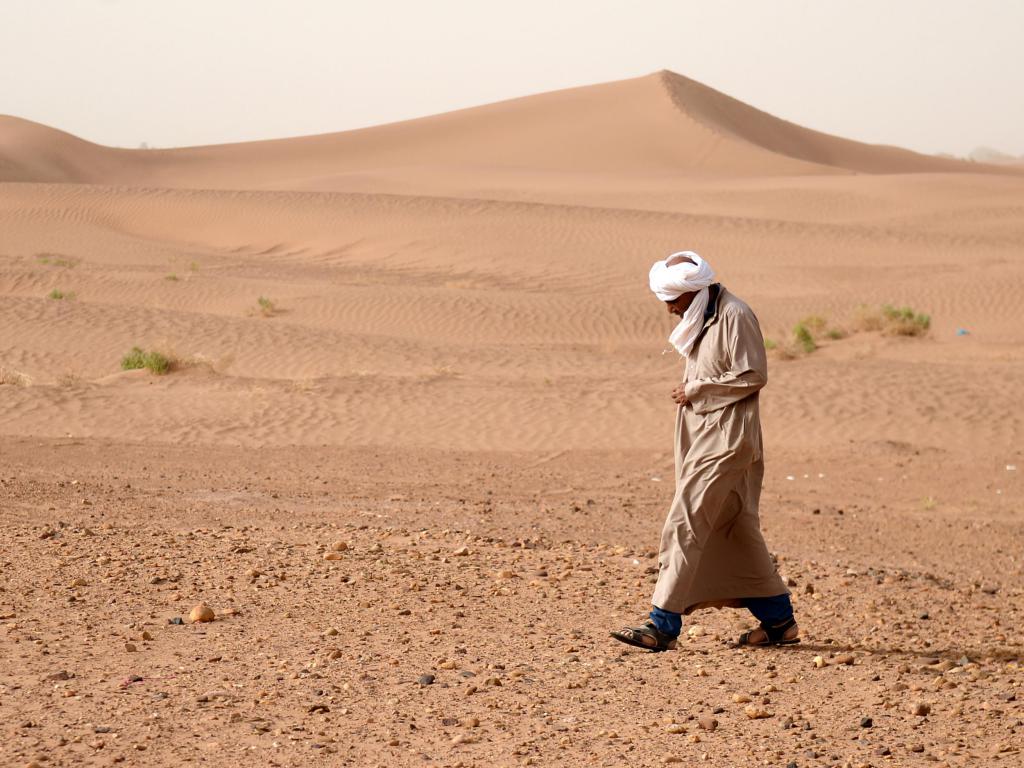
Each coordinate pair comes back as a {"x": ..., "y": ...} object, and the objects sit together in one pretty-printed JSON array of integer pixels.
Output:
[{"x": 776, "y": 632}]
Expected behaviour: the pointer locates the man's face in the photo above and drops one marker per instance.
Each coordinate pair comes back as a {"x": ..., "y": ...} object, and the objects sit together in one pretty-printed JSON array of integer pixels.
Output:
[{"x": 680, "y": 305}]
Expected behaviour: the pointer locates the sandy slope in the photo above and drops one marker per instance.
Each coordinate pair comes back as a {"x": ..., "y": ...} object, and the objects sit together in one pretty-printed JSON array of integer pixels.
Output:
[
  {"x": 464, "y": 350},
  {"x": 660, "y": 124}
]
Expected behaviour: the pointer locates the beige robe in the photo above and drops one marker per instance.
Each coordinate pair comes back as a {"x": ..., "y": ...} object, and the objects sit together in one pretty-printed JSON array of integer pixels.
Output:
[{"x": 712, "y": 550}]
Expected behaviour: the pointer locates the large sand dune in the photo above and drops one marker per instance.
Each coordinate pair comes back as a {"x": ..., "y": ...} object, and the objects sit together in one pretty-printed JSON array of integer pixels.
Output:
[
  {"x": 662, "y": 124},
  {"x": 463, "y": 352}
]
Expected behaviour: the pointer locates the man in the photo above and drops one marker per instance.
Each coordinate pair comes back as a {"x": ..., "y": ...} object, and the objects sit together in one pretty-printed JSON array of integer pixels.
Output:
[{"x": 712, "y": 550}]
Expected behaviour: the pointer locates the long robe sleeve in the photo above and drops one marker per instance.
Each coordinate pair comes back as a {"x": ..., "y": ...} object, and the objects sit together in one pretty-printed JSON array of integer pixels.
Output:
[{"x": 744, "y": 365}]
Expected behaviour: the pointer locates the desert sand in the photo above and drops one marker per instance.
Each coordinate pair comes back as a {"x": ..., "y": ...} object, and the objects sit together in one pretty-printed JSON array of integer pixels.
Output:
[{"x": 422, "y": 479}]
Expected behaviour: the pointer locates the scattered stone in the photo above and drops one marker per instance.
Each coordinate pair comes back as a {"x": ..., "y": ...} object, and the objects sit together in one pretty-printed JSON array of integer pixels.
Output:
[
  {"x": 461, "y": 552},
  {"x": 866, "y": 722},
  {"x": 740, "y": 698},
  {"x": 707, "y": 723},
  {"x": 696, "y": 631},
  {"x": 177, "y": 621},
  {"x": 819, "y": 662},
  {"x": 676, "y": 728},
  {"x": 146, "y": 636},
  {"x": 920, "y": 708},
  {"x": 757, "y": 713},
  {"x": 671, "y": 759},
  {"x": 339, "y": 546},
  {"x": 130, "y": 647},
  {"x": 201, "y": 613},
  {"x": 844, "y": 658},
  {"x": 425, "y": 680},
  {"x": 332, "y": 556},
  {"x": 79, "y": 582}
]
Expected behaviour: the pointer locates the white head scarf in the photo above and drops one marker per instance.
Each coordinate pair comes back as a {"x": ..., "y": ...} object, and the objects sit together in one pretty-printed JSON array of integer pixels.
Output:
[{"x": 675, "y": 276}]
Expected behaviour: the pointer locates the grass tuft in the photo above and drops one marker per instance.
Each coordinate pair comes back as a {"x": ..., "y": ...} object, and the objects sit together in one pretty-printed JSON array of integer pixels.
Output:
[
  {"x": 57, "y": 294},
  {"x": 893, "y": 321},
  {"x": 267, "y": 306},
  {"x": 804, "y": 338},
  {"x": 56, "y": 260},
  {"x": 904, "y": 321},
  {"x": 153, "y": 361},
  {"x": 14, "y": 378},
  {"x": 172, "y": 278}
]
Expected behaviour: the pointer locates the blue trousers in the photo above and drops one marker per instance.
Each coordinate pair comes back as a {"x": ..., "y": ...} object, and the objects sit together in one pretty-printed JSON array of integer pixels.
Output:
[{"x": 767, "y": 610}]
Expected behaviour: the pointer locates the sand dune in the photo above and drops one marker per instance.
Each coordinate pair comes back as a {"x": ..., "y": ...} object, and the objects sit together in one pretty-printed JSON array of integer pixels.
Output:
[{"x": 661, "y": 124}]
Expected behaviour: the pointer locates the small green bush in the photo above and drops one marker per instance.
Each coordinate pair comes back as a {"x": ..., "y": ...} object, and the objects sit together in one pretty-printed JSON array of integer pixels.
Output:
[
  {"x": 172, "y": 278},
  {"x": 267, "y": 307},
  {"x": 816, "y": 324},
  {"x": 57, "y": 294},
  {"x": 770, "y": 344},
  {"x": 904, "y": 321},
  {"x": 804, "y": 338},
  {"x": 152, "y": 361}
]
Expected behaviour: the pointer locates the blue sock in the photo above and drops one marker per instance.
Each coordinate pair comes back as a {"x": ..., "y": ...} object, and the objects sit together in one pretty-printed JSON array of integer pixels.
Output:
[
  {"x": 667, "y": 622},
  {"x": 771, "y": 611}
]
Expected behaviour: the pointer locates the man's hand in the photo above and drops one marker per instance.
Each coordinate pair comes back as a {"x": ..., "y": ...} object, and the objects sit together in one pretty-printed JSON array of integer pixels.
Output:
[{"x": 679, "y": 395}]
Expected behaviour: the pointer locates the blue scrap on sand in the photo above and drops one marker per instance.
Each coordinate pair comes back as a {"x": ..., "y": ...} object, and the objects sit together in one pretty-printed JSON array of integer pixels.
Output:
[{"x": 962, "y": 332}]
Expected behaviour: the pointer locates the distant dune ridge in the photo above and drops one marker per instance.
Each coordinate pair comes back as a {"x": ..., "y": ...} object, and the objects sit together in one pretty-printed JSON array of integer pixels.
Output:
[{"x": 663, "y": 123}]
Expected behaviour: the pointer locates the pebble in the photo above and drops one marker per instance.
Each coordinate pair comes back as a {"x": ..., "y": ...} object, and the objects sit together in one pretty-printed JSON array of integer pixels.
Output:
[
  {"x": 757, "y": 713},
  {"x": 130, "y": 647},
  {"x": 819, "y": 662},
  {"x": 920, "y": 708},
  {"x": 671, "y": 759},
  {"x": 461, "y": 552},
  {"x": 201, "y": 613},
  {"x": 696, "y": 631},
  {"x": 177, "y": 620},
  {"x": 79, "y": 582},
  {"x": 866, "y": 722},
  {"x": 844, "y": 658},
  {"x": 146, "y": 636},
  {"x": 676, "y": 728},
  {"x": 740, "y": 698},
  {"x": 425, "y": 680},
  {"x": 707, "y": 723},
  {"x": 332, "y": 556},
  {"x": 339, "y": 546}
]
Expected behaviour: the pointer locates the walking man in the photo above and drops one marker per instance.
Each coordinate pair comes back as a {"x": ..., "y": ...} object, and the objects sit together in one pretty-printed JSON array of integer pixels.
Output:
[{"x": 712, "y": 552}]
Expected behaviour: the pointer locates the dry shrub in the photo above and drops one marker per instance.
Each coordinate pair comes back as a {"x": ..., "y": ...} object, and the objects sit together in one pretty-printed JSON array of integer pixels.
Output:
[
  {"x": 893, "y": 321},
  {"x": 14, "y": 378}
]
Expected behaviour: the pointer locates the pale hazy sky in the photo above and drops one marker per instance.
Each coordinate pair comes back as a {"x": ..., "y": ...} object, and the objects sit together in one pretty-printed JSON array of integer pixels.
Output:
[{"x": 932, "y": 75}]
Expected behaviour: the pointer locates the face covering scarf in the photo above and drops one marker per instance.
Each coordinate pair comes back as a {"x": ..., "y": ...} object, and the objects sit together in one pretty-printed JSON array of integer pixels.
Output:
[{"x": 670, "y": 279}]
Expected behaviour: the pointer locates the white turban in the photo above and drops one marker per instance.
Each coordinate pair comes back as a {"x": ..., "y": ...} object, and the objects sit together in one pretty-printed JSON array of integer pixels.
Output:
[{"x": 675, "y": 276}]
